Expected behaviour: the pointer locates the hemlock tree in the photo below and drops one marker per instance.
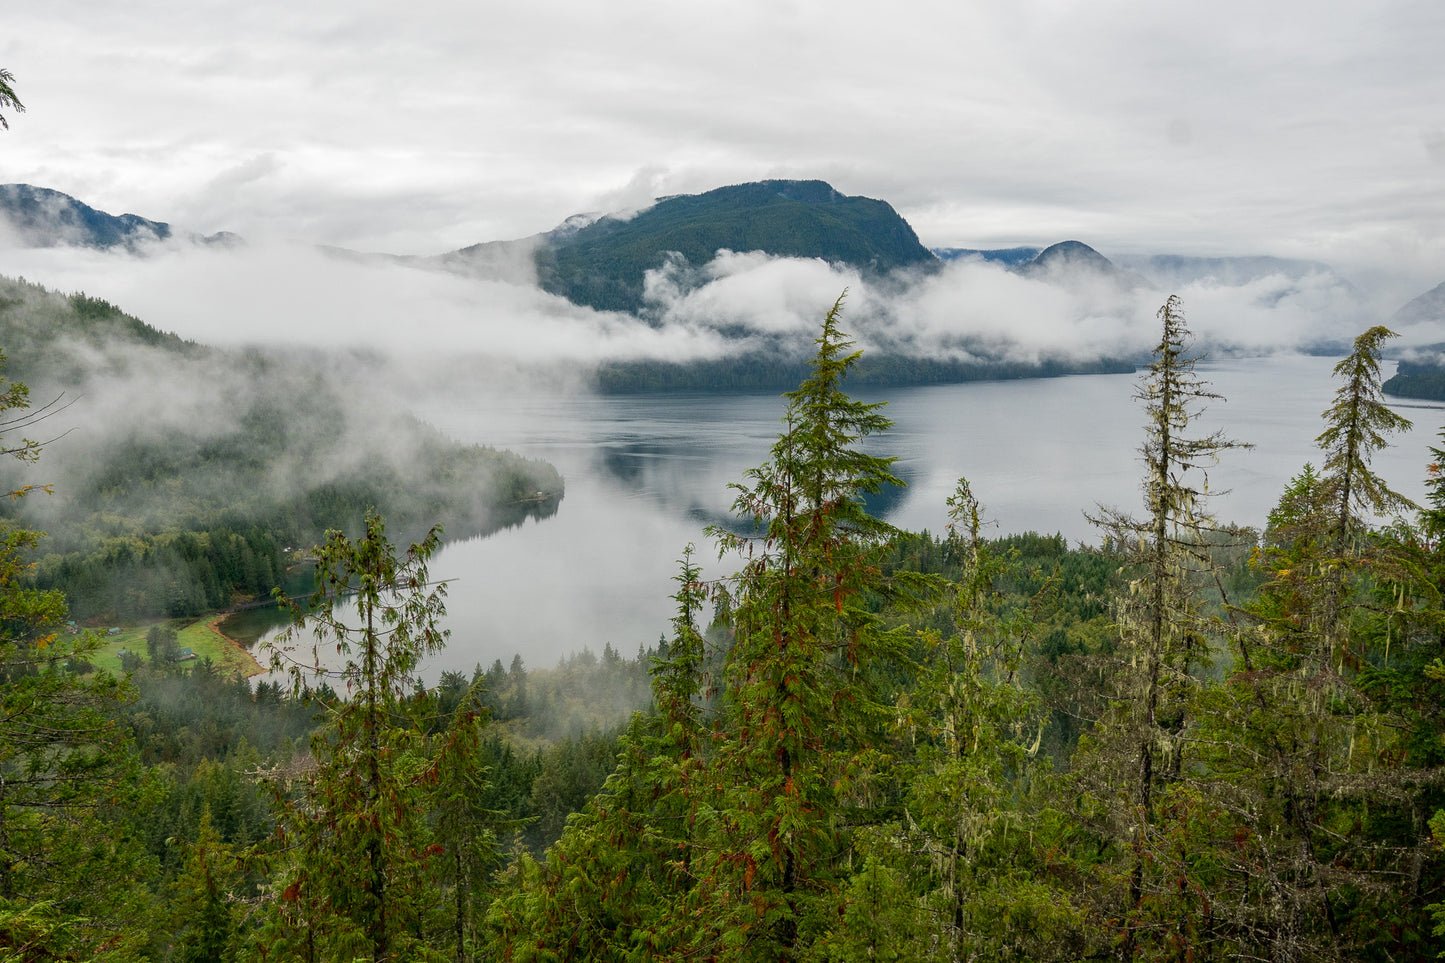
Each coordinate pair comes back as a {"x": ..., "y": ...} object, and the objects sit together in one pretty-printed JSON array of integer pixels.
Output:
[
  {"x": 802, "y": 718},
  {"x": 1141, "y": 744},
  {"x": 1356, "y": 425},
  {"x": 1355, "y": 428},
  {"x": 7, "y": 96},
  {"x": 353, "y": 879},
  {"x": 1319, "y": 533}
]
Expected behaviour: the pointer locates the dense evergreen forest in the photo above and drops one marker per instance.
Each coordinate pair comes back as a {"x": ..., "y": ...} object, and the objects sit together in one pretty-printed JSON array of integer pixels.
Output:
[
  {"x": 1417, "y": 379},
  {"x": 193, "y": 474},
  {"x": 755, "y": 372},
  {"x": 1193, "y": 742}
]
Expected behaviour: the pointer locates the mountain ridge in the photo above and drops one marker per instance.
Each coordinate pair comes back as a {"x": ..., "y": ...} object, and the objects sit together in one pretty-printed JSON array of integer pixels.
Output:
[
  {"x": 603, "y": 261},
  {"x": 603, "y": 264},
  {"x": 600, "y": 259},
  {"x": 43, "y": 217}
]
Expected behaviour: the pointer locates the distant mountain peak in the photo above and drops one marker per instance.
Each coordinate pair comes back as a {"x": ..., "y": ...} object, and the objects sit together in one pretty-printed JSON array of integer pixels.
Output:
[
  {"x": 1007, "y": 256},
  {"x": 41, "y": 217},
  {"x": 603, "y": 263},
  {"x": 1068, "y": 260},
  {"x": 1071, "y": 254},
  {"x": 1428, "y": 307}
]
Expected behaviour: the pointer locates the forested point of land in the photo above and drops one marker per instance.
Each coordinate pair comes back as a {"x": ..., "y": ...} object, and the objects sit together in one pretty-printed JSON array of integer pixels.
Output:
[
  {"x": 1192, "y": 742},
  {"x": 753, "y": 372},
  {"x": 185, "y": 477},
  {"x": 1415, "y": 379}
]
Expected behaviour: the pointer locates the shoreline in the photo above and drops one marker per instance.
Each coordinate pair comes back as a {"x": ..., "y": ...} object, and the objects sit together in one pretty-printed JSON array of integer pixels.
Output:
[{"x": 245, "y": 656}]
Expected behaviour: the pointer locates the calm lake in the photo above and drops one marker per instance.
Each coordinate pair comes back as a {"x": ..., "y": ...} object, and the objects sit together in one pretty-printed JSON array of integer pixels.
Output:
[{"x": 646, "y": 474}]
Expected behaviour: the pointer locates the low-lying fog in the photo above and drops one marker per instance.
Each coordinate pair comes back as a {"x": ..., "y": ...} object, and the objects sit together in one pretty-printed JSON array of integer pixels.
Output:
[
  {"x": 280, "y": 294},
  {"x": 501, "y": 362}
]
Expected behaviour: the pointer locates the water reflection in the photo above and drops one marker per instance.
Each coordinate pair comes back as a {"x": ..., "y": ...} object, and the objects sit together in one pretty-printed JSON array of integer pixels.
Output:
[
  {"x": 252, "y": 623},
  {"x": 645, "y": 475}
]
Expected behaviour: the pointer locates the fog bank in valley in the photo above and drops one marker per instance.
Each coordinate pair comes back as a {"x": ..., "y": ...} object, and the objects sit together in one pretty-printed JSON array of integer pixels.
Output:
[
  {"x": 154, "y": 436},
  {"x": 279, "y": 296},
  {"x": 398, "y": 337}
]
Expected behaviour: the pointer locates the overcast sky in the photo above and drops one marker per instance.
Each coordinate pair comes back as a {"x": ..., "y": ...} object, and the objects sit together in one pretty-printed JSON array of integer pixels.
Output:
[{"x": 1305, "y": 129}]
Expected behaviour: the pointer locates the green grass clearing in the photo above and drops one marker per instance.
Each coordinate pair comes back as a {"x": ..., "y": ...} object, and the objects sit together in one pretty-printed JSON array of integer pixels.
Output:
[{"x": 199, "y": 636}]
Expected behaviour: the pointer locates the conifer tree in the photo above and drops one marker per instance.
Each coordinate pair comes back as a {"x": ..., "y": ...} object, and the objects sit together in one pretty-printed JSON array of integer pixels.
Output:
[
  {"x": 67, "y": 766},
  {"x": 728, "y": 837},
  {"x": 802, "y": 716},
  {"x": 7, "y": 96},
  {"x": 203, "y": 899},
  {"x": 466, "y": 829},
  {"x": 1356, "y": 425},
  {"x": 1164, "y": 639},
  {"x": 976, "y": 729},
  {"x": 1299, "y": 740},
  {"x": 353, "y": 878},
  {"x": 617, "y": 885}
]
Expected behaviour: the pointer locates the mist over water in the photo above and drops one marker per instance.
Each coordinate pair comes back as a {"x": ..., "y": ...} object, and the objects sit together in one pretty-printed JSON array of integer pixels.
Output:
[
  {"x": 499, "y": 362},
  {"x": 274, "y": 294},
  {"x": 645, "y": 474}
]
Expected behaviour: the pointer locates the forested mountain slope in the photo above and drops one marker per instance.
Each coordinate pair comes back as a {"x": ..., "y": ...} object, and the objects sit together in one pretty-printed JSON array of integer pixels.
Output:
[
  {"x": 1424, "y": 377},
  {"x": 181, "y": 474},
  {"x": 41, "y": 217},
  {"x": 602, "y": 265}
]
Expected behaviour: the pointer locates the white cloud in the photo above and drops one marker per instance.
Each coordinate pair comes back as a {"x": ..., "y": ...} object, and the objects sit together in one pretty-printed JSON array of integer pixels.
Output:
[
  {"x": 277, "y": 295},
  {"x": 750, "y": 289},
  {"x": 1301, "y": 130}
]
